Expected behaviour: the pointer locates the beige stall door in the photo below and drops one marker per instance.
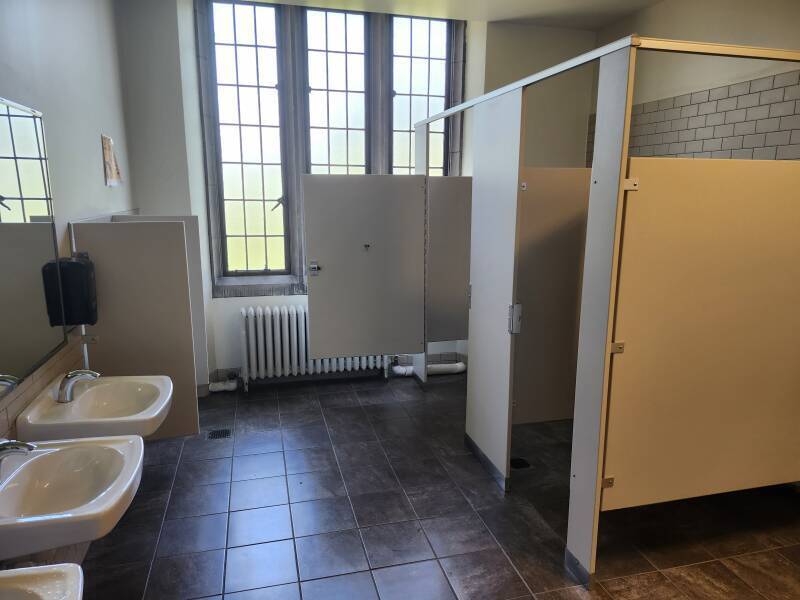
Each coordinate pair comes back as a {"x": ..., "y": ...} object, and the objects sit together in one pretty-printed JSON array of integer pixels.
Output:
[
  {"x": 366, "y": 233},
  {"x": 706, "y": 396}
]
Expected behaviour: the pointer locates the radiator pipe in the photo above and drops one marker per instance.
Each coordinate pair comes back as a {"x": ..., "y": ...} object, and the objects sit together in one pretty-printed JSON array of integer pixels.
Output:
[{"x": 433, "y": 369}]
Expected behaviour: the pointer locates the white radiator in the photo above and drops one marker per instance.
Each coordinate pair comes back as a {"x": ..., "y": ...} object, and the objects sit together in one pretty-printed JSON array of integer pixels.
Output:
[{"x": 274, "y": 343}]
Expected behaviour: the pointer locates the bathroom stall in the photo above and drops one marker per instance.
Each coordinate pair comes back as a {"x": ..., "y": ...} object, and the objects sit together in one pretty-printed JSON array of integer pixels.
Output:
[{"x": 649, "y": 298}]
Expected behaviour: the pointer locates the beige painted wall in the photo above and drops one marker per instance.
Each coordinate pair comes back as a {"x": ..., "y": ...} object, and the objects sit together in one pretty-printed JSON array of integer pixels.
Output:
[
  {"x": 557, "y": 110},
  {"x": 770, "y": 23},
  {"x": 61, "y": 58}
]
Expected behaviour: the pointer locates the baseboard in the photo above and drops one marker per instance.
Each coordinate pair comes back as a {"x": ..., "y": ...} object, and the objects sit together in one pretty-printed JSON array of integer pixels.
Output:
[
  {"x": 575, "y": 568},
  {"x": 499, "y": 478}
]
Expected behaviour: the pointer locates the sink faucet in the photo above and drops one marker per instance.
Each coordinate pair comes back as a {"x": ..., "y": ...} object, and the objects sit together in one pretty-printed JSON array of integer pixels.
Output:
[
  {"x": 8, "y": 447},
  {"x": 7, "y": 384},
  {"x": 70, "y": 379}
]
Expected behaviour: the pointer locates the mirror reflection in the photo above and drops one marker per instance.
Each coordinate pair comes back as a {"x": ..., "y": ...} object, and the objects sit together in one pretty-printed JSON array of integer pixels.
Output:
[{"x": 27, "y": 242}]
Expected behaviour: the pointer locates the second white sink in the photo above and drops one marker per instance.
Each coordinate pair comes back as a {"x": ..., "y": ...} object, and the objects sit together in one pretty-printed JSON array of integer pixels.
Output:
[
  {"x": 104, "y": 406},
  {"x": 52, "y": 582}
]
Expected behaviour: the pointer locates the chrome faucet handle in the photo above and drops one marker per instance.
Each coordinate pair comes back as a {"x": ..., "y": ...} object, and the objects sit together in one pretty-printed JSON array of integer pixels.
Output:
[{"x": 13, "y": 446}]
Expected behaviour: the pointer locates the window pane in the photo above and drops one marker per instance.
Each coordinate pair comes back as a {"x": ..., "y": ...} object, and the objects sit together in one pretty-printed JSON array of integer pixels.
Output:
[
  {"x": 234, "y": 218},
  {"x": 400, "y": 113},
  {"x": 435, "y": 106},
  {"x": 338, "y": 142},
  {"x": 232, "y": 181},
  {"x": 355, "y": 33},
  {"x": 245, "y": 24},
  {"x": 419, "y": 37},
  {"x": 256, "y": 254},
  {"x": 419, "y": 76},
  {"x": 318, "y": 109},
  {"x": 247, "y": 79},
  {"x": 436, "y": 149},
  {"x": 337, "y": 72},
  {"x": 402, "y": 75},
  {"x": 355, "y": 72},
  {"x": 336, "y": 31},
  {"x": 251, "y": 145},
  {"x": 228, "y": 100},
  {"x": 25, "y": 142},
  {"x": 246, "y": 61},
  {"x": 253, "y": 189},
  {"x": 36, "y": 208},
  {"x": 274, "y": 216},
  {"x": 401, "y": 32},
  {"x": 438, "y": 39},
  {"x": 317, "y": 70},
  {"x": 271, "y": 140},
  {"x": 229, "y": 143},
  {"x": 319, "y": 146},
  {"x": 14, "y": 212},
  {"x": 419, "y": 109},
  {"x": 226, "y": 64},
  {"x": 248, "y": 106},
  {"x": 276, "y": 252},
  {"x": 5, "y": 136},
  {"x": 355, "y": 110},
  {"x": 265, "y": 26},
  {"x": 273, "y": 185},
  {"x": 355, "y": 148},
  {"x": 270, "y": 111},
  {"x": 338, "y": 104},
  {"x": 8, "y": 178},
  {"x": 401, "y": 148},
  {"x": 315, "y": 26},
  {"x": 437, "y": 80},
  {"x": 267, "y": 67},
  {"x": 254, "y": 218},
  {"x": 223, "y": 23},
  {"x": 237, "y": 256}
]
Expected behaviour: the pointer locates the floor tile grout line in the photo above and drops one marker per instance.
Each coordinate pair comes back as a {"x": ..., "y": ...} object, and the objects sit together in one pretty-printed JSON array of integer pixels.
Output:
[
  {"x": 747, "y": 585},
  {"x": 347, "y": 494},
  {"x": 163, "y": 519}
]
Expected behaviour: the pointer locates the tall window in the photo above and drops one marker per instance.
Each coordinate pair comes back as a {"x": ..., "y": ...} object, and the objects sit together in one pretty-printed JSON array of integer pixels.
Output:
[
  {"x": 419, "y": 67},
  {"x": 289, "y": 90},
  {"x": 336, "y": 96},
  {"x": 24, "y": 182},
  {"x": 254, "y": 220}
]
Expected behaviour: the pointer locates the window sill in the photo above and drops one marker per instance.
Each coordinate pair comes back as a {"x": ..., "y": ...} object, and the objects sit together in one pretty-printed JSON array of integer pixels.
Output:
[{"x": 258, "y": 285}]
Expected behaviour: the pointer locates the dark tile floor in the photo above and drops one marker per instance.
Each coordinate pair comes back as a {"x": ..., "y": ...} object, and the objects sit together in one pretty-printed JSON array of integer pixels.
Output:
[{"x": 364, "y": 490}]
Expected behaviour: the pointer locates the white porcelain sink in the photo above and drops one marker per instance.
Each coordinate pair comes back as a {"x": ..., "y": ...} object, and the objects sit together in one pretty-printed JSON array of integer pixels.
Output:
[
  {"x": 103, "y": 406},
  {"x": 66, "y": 492},
  {"x": 52, "y": 582}
]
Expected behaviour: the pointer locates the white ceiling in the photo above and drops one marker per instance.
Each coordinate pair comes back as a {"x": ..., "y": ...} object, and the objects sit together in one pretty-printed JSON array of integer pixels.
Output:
[{"x": 580, "y": 14}]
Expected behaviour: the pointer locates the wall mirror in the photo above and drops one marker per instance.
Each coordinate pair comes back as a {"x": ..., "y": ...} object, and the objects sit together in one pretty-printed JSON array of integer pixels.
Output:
[{"x": 27, "y": 242}]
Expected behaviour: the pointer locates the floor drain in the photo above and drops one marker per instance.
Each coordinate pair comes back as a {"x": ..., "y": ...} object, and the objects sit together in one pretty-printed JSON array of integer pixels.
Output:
[
  {"x": 218, "y": 434},
  {"x": 520, "y": 463}
]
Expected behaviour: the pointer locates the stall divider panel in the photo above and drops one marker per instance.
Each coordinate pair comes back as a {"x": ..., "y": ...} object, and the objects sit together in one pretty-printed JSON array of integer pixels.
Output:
[
  {"x": 495, "y": 182},
  {"x": 419, "y": 361},
  {"x": 552, "y": 234},
  {"x": 447, "y": 269},
  {"x": 709, "y": 290},
  {"x": 366, "y": 234},
  {"x": 609, "y": 167},
  {"x": 144, "y": 324}
]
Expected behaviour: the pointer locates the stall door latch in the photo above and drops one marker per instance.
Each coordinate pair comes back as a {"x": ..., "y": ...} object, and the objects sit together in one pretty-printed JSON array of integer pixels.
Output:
[
  {"x": 514, "y": 318},
  {"x": 314, "y": 268}
]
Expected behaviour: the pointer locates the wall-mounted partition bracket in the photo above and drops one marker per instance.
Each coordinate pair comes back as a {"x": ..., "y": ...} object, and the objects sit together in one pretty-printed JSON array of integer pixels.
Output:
[
  {"x": 631, "y": 184},
  {"x": 616, "y": 347}
]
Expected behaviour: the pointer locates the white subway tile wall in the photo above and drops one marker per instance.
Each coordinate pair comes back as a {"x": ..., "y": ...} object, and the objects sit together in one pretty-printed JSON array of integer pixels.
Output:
[{"x": 758, "y": 119}]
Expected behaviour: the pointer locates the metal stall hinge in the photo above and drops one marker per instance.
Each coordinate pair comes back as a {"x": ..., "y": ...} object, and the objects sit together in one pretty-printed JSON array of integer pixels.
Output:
[
  {"x": 314, "y": 268},
  {"x": 469, "y": 296},
  {"x": 616, "y": 347},
  {"x": 631, "y": 184},
  {"x": 524, "y": 186},
  {"x": 514, "y": 318},
  {"x": 608, "y": 482}
]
